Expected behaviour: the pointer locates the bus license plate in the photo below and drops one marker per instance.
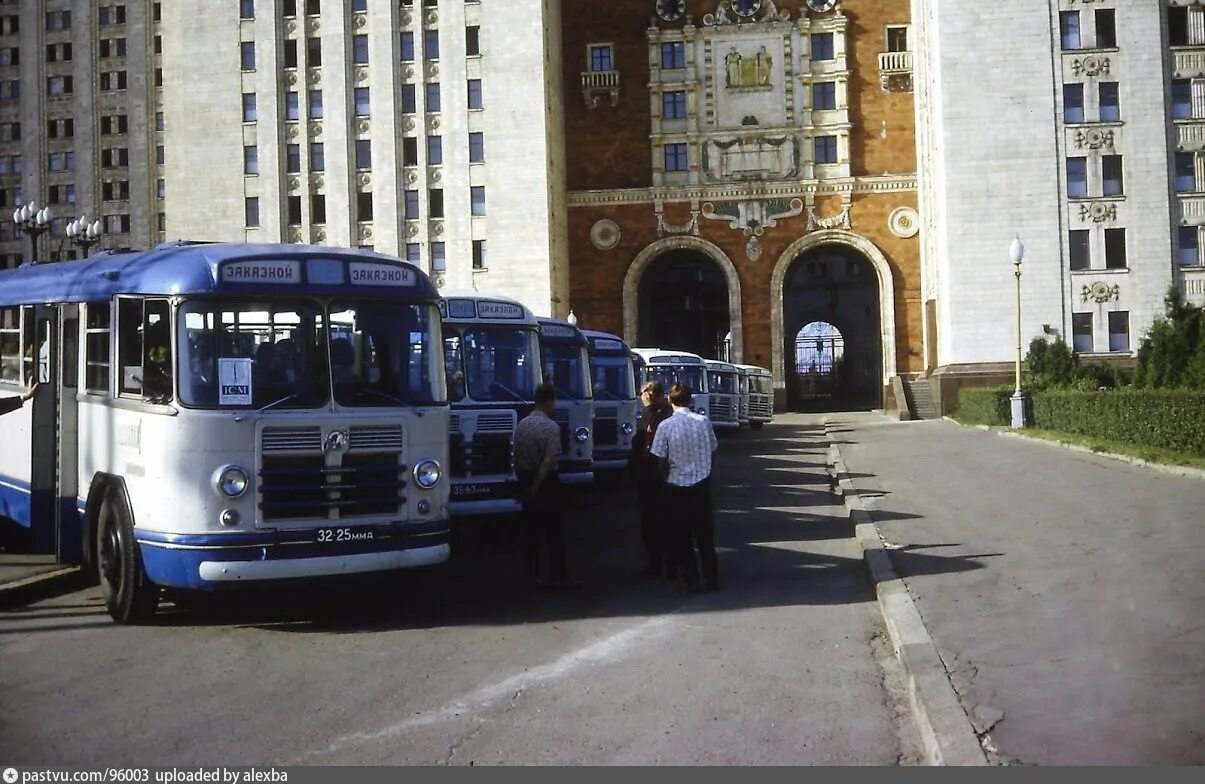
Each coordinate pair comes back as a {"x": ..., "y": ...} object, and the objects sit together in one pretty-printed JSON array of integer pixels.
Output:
[
  {"x": 344, "y": 534},
  {"x": 469, "y": 490}
]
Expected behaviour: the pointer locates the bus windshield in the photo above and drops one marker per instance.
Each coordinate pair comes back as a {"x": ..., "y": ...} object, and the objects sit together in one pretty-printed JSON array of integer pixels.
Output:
[
  {"x": 613, "y": 378},
  {"x": 567, "y": 368},
  {"x": 252, "y": 354},
  {"x": 382, "y": 353},
  {"x": 690, "y": 376},
  {"x": 762, "y": 385},
  {"x": 724, "y": 383},
  {"x": 488, "y": 363}
]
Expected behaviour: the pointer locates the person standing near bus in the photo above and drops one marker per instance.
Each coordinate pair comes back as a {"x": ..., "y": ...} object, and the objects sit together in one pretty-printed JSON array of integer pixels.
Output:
[
  {"x": 683, "y": 445},
  {"x": 537, "y": 446},
  {"x": 649, "y": 485},
  {"x": 8, "y": 404}
]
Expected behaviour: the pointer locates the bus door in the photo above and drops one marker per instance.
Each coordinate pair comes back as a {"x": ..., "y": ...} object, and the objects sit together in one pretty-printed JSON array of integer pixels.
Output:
[
  {"x": 44, "y": 435},
  {"x": 68, "y": 521}
]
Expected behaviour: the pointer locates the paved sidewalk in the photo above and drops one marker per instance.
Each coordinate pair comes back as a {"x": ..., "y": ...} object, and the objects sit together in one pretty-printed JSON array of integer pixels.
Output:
[{"x": 1064, "y": 591}]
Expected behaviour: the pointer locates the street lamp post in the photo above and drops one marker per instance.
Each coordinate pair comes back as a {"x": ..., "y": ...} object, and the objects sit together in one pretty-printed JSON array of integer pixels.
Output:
[
  {"x": 1016, "y": 252},
  {"x": 33, "y": 222},
  {"x": 83, "y": 234}
]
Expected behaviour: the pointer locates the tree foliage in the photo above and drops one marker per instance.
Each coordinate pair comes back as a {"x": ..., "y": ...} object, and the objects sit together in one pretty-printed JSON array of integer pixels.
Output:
[{"x": 1172, "y": 353}]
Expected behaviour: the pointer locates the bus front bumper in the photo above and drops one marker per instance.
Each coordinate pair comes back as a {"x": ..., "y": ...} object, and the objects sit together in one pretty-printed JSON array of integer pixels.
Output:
[{"x": 721, "y": 425}]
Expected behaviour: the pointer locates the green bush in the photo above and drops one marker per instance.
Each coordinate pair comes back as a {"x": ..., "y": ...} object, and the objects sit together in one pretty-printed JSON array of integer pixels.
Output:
[
  {"x": 984, "y": 406},
  {"x": 1165, "y": 418},
  {"x": 1051, "y": 363},
  {"x": 1172, "y": 353}
]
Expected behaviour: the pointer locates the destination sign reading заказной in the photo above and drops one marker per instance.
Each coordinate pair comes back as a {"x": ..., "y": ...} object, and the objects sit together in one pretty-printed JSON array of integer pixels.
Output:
[
  {"x": 367, "y": 274},
  {"x": 261, "y": 271}
]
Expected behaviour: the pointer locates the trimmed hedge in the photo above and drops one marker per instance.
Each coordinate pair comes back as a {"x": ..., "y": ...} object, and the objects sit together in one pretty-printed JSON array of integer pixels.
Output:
[{"x": 1165, "y": 418}]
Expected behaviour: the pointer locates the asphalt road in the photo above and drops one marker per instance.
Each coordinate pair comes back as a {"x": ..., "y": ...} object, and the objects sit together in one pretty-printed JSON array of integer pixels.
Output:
[{"x": 460, "y": 665}]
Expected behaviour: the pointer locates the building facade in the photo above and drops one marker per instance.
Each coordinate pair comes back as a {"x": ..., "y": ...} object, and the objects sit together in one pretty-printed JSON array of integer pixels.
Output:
[
  {"x": 742, "y": 184},
  {"x": 80, "y": 123},
  {"x": 427, "y": 130}
]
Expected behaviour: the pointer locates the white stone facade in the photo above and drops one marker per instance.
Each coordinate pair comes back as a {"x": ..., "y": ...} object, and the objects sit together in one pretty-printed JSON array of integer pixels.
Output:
[
  {"x": 1000, "y": 121},
  {"x": 503, "y": 222}
]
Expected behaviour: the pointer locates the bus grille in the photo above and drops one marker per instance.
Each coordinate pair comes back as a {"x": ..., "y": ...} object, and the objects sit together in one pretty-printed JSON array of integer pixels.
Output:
[
  {"x": 388, "y": 439},
  {"x": 292, "y": 439},
  {"x": 606, "y": 432},
  {"x": 721, "y": 409},
  {"x": 761, "y": 408},
  {"x": 486, "y": 455}
]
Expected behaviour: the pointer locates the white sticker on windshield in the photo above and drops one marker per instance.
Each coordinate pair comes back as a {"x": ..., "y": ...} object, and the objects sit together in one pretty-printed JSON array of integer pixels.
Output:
[{"x": 234, "y": 381}]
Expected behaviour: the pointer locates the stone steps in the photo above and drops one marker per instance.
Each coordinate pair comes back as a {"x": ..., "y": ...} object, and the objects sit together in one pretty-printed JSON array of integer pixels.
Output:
[{"x": 920, "y": 400}]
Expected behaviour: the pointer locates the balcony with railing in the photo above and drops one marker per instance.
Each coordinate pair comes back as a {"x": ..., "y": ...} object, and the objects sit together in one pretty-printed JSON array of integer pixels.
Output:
[
  {"x": 597, "y": 85},
  {"x": 895, "y": 70}
]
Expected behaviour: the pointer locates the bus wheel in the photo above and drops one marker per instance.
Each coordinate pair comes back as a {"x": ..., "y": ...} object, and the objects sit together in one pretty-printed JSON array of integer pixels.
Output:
[{"x": 129, "y": 595}]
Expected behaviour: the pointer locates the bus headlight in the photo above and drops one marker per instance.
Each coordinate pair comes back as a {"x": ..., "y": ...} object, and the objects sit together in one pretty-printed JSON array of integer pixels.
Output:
[
  {"x": 427, "y": 474},
  {"x": 582, "y": 434},
  {"x": 628, "y": 429},
  {"x": 702, "y": 412},
  {"x": 231, "y": 481}
]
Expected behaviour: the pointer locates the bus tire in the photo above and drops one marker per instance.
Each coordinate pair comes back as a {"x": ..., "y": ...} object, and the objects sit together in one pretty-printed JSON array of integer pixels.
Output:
[{"x": 130, "y": 596}]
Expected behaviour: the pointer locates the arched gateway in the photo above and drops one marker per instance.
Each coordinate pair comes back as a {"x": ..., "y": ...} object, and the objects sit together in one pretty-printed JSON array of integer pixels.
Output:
[
  {"x": 839, "y": 279},
  {"x": 682, "y": 276}
]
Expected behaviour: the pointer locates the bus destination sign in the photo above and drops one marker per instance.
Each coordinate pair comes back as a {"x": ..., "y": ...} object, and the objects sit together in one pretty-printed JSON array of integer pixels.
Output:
[
  {"x": 557, "y": 331},
  {"x": 369, "y": 274},
  {"x": 461, "y": 308},
  {"x": 607, "y": 344},
  {"x": 499, "y": 310},
  {"x": 261, "y": 271}
]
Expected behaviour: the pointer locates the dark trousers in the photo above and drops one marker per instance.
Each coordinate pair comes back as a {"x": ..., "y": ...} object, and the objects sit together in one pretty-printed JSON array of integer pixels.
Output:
[
  {"x": 543, "y": 522},
  {"x": 692, "y": 527},
  {"x": 653, "y": 523}
]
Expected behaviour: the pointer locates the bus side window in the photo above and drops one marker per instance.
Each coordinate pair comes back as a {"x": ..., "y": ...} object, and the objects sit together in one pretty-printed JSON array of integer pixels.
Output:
[
  {"x": 96, "y": 347},
  {"x": 10, "y": 345},
  {"x": 129, "y": 347}
]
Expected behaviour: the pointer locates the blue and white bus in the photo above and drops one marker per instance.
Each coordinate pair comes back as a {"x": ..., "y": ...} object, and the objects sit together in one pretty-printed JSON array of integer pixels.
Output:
[
  {"x": 761, "y": 395},
  {"x": 723, "y": 392},
  {"x": 565, "y": 359},
  {"x": 677, "y": 367},
  {"x": 492, "y": 353},
  {"x": 615, "y": 403},
  {"x": 214, "y": 414}
]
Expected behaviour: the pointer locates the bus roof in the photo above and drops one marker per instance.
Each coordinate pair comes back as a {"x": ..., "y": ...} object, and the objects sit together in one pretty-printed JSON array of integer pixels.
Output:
[
  {"x": 605, "y": 343},
  {"x": 473, "y": 306},
  {"x": 239, "y": 269},
  {"x": 755, "y": 370},
  {"x": 718, "y": 366},
  {"x": 666, "y": 356},
  {"x": 554, "y": 330}
]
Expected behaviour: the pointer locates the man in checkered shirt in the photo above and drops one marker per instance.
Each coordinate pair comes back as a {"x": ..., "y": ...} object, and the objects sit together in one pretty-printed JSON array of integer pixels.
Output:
[{"x": 683, "y": 446}]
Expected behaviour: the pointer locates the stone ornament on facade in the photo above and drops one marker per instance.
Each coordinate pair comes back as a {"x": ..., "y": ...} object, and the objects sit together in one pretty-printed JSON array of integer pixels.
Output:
[
  {"x": 664, "y": 227},
  {"x": 838, "y": 221},
  {"x": 1090, "y": 65},
  {"x": 319, "y": 235},
  {"x": 291, "y": 130},
  {"x": 748, "y": 72},
  {"x": 1097, "y": 212},
  {"x": 361, "y": 19},
  {"x": 1100, "y": 292},
  {"x": 361, "y": 74},
  {"x": 411, "y": 176},
  {"x": 408, "y": 124},
  {"x": 752, "y": 156},
  {"x": 437, "y": 228},
  {"x": 294, "y": 183},
  {"x": 313, "y": 24},
  {"x": 362, "y": 126},
  {"x": 315, "y": 76},
  {"x": 316, "y": 181},
  {"x": 904, "y": 222},
  {"x": 405, "y": 18},
  {"x": 295, "y": 234},
  {"x": 432, "y": 70},
  {"x": 741, "y": 11},
  {"x": 753, "y": 248},
  {"x": 433, "y": 17},
  {"x": 438, "y": 280},
  {"x": 411, "y": 228},
  {"x": 291, "y": 77},
  {"x": 365, "y": 231},
  {"x": 604, "y": 234},
  {"x": 365, "y": 179},
  {"x": 290, "y": 27},
  {"x": 316, "y": 129},
  {"x": 753, "y": 217},
  {"x": 1094, "y": 138}
]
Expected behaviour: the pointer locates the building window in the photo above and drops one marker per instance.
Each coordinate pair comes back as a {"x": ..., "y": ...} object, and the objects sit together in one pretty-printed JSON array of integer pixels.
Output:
[
  {"x": 112, "y": 47},
  {"x": 433, "y": 97},
  {"x": 824, "y": 96},
  {"x": 1110, "y": 102},
  {"x": 897, "y": 38},
  {"x": 294, "y": 211},
  {"x": 430, "y": 44},
  {"x": 250, "y": 159},
  {"x": 1115, "y": 248},
  {"x": 62, "y": 85},
  {"x": 291, "y": 106},
  {"x": 317, "y": 208},
  {"x": 1069, "y": 29},
  {"x": 1177, "y": 26},
  {"x": 409, "y": 151},
  {"x": 1187, "y": 254},
  {"x": 249, "y": 112},
  {"x": 247, "y": 53},
  {"x": 317, "y": 157},
  {"x": 1119, "y": 330},
  {"x": 475, "y": 101},
  {"x": 292, "y": 159},
  {"x": 1077, "y": 177},
  {"x": 117, "y": 224},
  {"x": 826, "y": 149},
  {"x": 363, "y": 105},
  {"x": 675, "y": 157},
  {"x": 822, "y": 46},
  {"x": 435, "y": 150},
  {"x": 290, "y": 53},
  {"x": 1073, "y": 103},
  {"x": 55, "y": 20},
  {"x": 600, "y": 57},
  {"x": 1181, "y": 99},
  {"x": 477, "y": 199},
  {"x": 251, "y": 211},
  {"x": 115, "y": 190},
  {"x": 160, "y": 188},
  {"x": 409, "y": 104},
  {"x": 673, "y": 55},
  {"x": 364, "y": 206},
  {"x": 1186, "y": 177},
  {"x": 313, "y": 7},
  {"x": 1081, "y": 332},
  {"x": 1111, "y": 177},
  {"x": 472, "y": 40},
  {"x": 1106, "y": 28},
  {"x": 313, "y": 52},
  {"x": 111, "y": 80},
  {"x": 246, "y": 9},
  {"x": 411, "y": 202},
  {"x": 363, "y": 154},
  {"x": 435, "y": 203},
  {"x": 359, "y": 49},
  {"x": 414, "y": 252},
  {"x": 478, "y": 254},
  {"x": 438, "y": 257},
  {"x": 111, "y": 14},
  {"x": 673, "y": 105},
  {"x": 112, "y": 124},
  {"x": 407, "y": 47},
  {"x": 315, "y": 102},
  {"x": 159, "y": 155},
  {"x": 1081, "y": 255}
]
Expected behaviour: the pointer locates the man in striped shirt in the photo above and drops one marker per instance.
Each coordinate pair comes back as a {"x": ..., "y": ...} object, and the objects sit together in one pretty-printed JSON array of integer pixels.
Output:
[{"x": 683, "y": 445}]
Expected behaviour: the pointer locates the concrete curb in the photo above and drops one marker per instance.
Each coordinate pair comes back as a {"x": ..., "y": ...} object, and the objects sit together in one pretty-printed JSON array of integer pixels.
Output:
[
  {"x": 946, "y": 731},
  {"x": 41, "y": 586},
  {"x": 1196, "y": 473}
]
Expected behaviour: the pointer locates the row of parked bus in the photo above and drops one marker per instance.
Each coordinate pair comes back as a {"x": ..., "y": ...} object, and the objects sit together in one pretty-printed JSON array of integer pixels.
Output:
[{"x": 214, "y": 414}]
